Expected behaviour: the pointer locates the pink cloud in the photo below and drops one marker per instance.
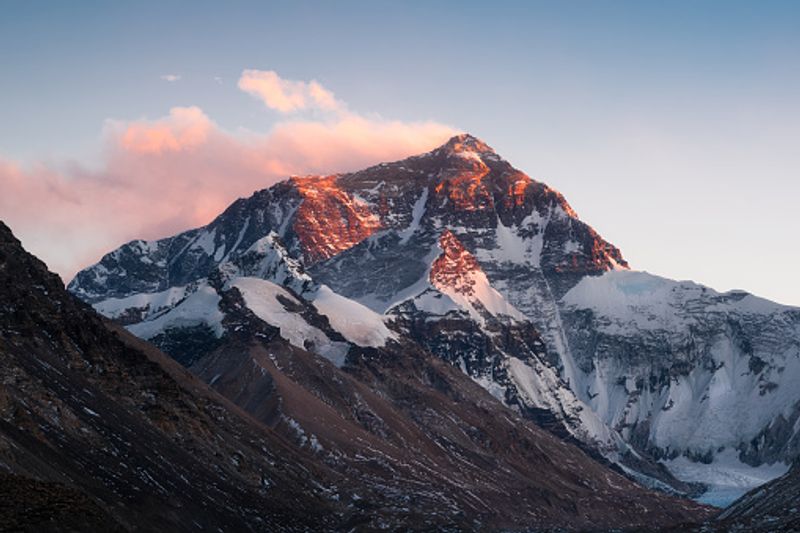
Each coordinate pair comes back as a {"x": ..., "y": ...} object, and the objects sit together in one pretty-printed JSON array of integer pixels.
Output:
[
  {"x": 287, "y": 96},
  {"x": 163, "y": 176},
  {"x": 185, "y": 127}
]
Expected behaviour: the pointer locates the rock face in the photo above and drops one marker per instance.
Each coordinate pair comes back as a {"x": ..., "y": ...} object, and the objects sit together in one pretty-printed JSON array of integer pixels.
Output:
[
  {"x": 33, "y": 505},
  {"x": 414, "y": 430},
  {"x": 328, "y": 220},
  {"x": 472, "y": 260},
  {"x": 702, "y": 371},
  {"x": 100, "y": 430}
]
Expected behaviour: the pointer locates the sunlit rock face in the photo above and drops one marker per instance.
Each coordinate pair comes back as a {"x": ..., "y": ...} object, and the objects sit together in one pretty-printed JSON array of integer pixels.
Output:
[
  {"x": 455, "y": 269},
  {"x": 329, "y": 220},
  {"x": 494, "y": 272}
]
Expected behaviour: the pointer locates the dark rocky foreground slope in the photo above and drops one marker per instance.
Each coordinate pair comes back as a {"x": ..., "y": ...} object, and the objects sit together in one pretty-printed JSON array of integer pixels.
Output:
[{"x": 100, "y": 429}]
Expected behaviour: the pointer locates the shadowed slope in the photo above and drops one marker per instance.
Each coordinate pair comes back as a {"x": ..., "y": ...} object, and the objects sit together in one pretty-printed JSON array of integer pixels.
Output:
[{"x": 127, "y": 430}]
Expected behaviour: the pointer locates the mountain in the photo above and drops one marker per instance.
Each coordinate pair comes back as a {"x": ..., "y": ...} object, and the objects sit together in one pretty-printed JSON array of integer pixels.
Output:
[
  {"x": 396, "y": 418},
  {"x": 460, "y": 255},
  {"x": 772, "y": 507},
  {"x": 98, "y": 429},
  {"x": 708, "y": 382},
  {"x": 101, "y": 430}
]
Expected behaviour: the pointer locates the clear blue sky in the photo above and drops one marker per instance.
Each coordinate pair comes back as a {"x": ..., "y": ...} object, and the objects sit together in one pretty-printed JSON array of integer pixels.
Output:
[{"x": 671, "y": 127}]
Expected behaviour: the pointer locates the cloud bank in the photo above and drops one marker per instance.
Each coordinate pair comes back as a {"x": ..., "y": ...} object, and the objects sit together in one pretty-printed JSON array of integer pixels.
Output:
[{"x": 163, "y": 176}]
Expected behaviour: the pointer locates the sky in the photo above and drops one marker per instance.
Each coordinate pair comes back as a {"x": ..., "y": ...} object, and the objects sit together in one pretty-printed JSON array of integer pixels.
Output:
[{"x": 671, "y": 127}]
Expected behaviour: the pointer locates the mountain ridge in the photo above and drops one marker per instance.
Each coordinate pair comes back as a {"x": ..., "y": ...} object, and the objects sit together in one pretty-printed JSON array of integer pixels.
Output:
[
  {"x": 92, "y": 415},
  {"x": 610, "y": 377},
  {"x": 397, "y": 441}
]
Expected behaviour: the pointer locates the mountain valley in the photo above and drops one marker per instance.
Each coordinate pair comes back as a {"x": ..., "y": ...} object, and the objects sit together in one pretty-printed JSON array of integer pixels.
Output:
[{"x": 433, "y": 343}]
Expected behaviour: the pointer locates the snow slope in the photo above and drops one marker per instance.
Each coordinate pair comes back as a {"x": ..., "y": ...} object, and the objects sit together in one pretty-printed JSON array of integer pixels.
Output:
[
  {"x": 727, "y": 477},
  {"x": 704, "y": 376},
  {"x": 263, "y": 298},
  {"x": 201, "y": 307},
  {"x": 357, "y": 323}
]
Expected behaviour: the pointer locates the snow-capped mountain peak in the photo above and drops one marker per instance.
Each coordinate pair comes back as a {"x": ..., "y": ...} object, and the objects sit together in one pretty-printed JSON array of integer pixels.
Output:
[
  {"x": 467, "y": 146},
  {"x": 495, "y": 273}
]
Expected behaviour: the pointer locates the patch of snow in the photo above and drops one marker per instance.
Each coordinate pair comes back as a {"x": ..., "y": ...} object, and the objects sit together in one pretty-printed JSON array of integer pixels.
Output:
[
  {"x": 416, "y": 216},
  {"x": 144, "y": 248},
  {"x": 436, "y": 303},
  {"x": 286, "y": 219},
  {"x": 483, "y": 292},
  {"x": 261, "y": 297},
  {"x": 298, "y": 429},
  {"x": 542, "y": 388},
  {"x": 751, "y": 304},
  {"x": 314, "y": 443},
  {"x": 205, "y": 241},
  {"x": 491, "y": 386},
  {"x": 272, "y": 262},
  {"x": 469, "y": 154},
  {"x": 726, "y": 476},
  {"x": 220, "y": 253},
  {"x": 200, "y": 307},
  {"x": 510, "y": 247},
  {"x": 356, "y": 322},
  {"x": 570, "y": 247},
  {"x": 633, "y": 299},
  {"x": 154, "y": 302}
]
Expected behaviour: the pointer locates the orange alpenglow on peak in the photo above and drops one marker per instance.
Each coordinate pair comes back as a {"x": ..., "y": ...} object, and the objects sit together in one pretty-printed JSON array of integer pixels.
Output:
[
  {"x": 467, "y": 143},
  {"x": 463, "y": 184},
  {"x": 329, "y": 220},
  {"x": 465, "y": 178},
  {"x": 454, "y": 267}
]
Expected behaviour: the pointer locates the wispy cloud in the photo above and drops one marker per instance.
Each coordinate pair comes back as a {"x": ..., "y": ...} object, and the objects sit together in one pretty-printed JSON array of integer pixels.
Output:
[
  {"x": 160, "y": 176},
  {"x": 288, "y": 96},
  {"x": 171, "y": 77}
]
